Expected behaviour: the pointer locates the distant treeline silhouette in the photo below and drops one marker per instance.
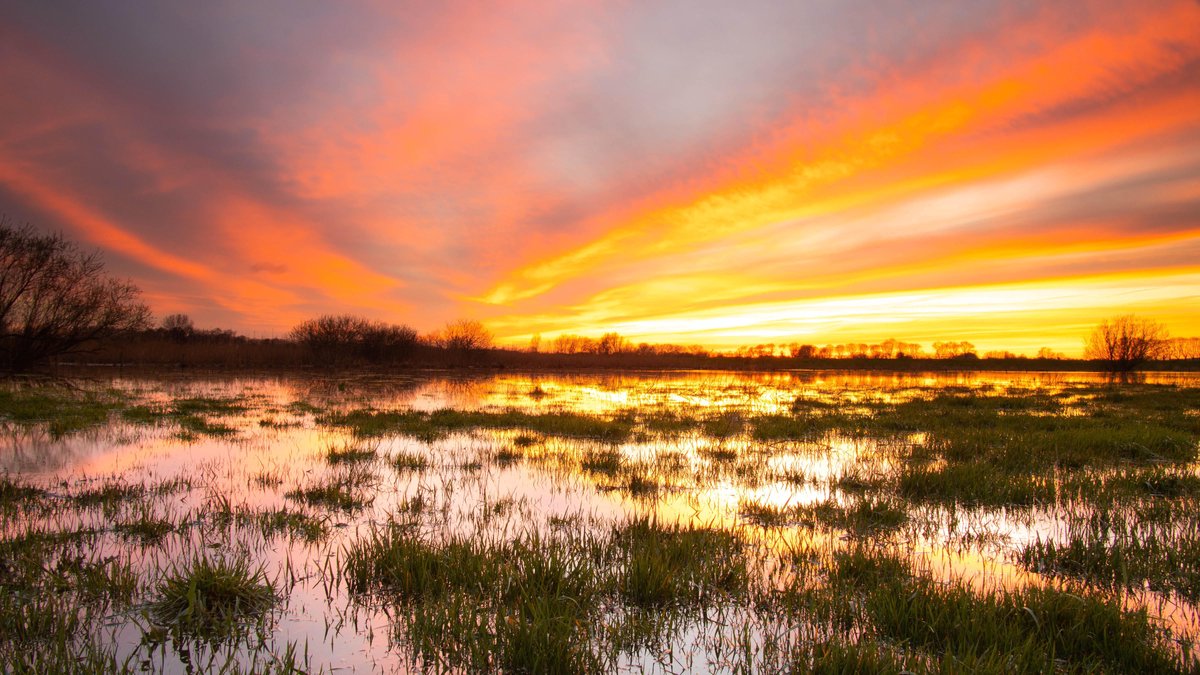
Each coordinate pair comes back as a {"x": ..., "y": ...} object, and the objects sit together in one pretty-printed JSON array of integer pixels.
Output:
[
  {"x": 339, "y": 341},
  {"x": 59, "y": 305}
]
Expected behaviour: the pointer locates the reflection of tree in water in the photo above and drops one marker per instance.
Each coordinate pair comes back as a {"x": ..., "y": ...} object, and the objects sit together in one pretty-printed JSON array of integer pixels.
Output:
[
  {"x": 322, "y": 390},
  {"x": 35, "y": 450},
  {"x": 1125, "y": 378}
]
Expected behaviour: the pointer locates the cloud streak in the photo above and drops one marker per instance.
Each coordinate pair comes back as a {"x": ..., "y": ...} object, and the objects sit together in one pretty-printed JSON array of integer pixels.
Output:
[{"x": 675, "y": 171}]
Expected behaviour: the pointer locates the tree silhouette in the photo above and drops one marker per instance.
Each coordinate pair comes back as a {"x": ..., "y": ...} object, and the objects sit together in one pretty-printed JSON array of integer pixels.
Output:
[
  {"x": 56, "y": 299},
  {"x": 178, "y": 326},
  {"x": 464, "y": 335},
  {"x": 1125, "y": 342}
]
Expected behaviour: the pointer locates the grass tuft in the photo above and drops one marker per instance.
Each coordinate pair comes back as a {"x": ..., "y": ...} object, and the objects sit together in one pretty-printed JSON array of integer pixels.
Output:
[{"x": 213, "y": 597}]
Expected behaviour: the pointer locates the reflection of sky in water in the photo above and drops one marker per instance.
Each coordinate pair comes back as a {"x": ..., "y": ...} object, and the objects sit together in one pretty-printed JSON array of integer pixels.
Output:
[{"x": 700, "y": 480}]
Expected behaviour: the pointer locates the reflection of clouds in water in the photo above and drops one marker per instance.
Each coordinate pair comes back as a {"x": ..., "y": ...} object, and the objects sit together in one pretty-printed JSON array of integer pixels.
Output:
[{"x": 465, "y": 490}]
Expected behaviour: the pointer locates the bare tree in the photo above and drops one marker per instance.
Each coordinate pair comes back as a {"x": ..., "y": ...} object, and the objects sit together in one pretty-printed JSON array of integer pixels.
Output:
[
  {"x": 333, "y": 338},
  {"x": 178, "y": 326},
  {"x": 1125, "y": 342},
  {"x": 464, "y": 335},
  {"x": 56, "y": 299}
]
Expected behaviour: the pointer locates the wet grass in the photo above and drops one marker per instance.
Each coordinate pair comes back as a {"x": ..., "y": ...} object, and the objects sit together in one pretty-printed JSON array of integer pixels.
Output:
[
  {"x": 1150, "y": 543},
  {"x": 947, "y": 626},
  {"x": 773, "y": 535},
  {"x": 191, "y": 415},
  {"x": 346, "y": 488},
  {"x": 14, "y": 494},
  {"x": 287, "y": 522},
  {"x": 349, "y": 453},
  {"x": 62, "y": 410},
  {"x": 437, "y": 424},
  {"x": 213, "y": 596}
]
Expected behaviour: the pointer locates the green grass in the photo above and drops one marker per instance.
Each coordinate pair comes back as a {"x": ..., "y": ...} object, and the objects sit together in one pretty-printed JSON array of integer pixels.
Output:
[
  {"x": 212, "y": 596},
  {"x": 191, "y": 415},
  {"x": 405, "y": 462},
  {"x": 1146, "y": 544},
  {"x": 148, "y": 529},
  {"x": 671, "y": 565},
  {"x": 108, "y": 495},
  {"x": 865, "y": 515},
  {"x": 437, "y": 424},
  {"x": 282, "y": 520},
  {"x": 974, "y": 484},
  {"x": 344, "y": 489},
  {"x": 1031, "y": 629},
  {"x": 349, "y": 453},
  {"x": 14, "y": 495},
  {"x": 62, "y": 410},
  {"x": 522, "y": 605}
]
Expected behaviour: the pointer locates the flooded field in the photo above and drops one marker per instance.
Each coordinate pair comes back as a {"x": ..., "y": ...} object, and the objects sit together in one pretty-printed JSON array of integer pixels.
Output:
[{"x": 691, "y": 522}]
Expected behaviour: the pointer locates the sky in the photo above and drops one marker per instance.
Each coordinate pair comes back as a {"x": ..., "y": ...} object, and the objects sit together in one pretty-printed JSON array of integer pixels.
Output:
[{"x": 720, "y": 173}]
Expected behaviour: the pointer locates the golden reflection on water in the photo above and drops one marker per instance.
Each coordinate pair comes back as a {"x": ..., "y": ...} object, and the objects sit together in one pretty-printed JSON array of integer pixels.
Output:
[{"x": 689, "y": 478}]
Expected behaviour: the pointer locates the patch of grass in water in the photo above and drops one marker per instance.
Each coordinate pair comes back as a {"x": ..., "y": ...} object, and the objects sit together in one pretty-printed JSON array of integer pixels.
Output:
[
  {"x": 1147, "y": 545},
  {"x": 603, "y": 461},
  {"x": 148, "y": 529},
  {"x": 507, "y": 456},
  {"x": 668, "y": 422},
  {"x": 765, "y": 514},
  {"x": 839, "y": 657},
  {"x": 286, "y": 521},
  {"x": 342, "y": 490},
  {"x": 213, "y": 596},
  {"x": 403, "y": 565},
  {"x": 1034, "y": 628},
  {"x": 64, "y": 411},
  {"x": 109, "y": 495},
  {"x": 719, "y": 454},
  {"x": 673, "y": 565},
  {"x": 974, "y": 483},
  {"x": 803, "y": 427},
  {"x": 195, "y": 426},
  {"x": 522, "y": 606},
  {"x": 191, "y": 414},
  {"x": 405, "y": 462},
  {"x": 864, "y": 516},
  {"x": 430, "y": 426},
  {"x": 724, "y": 425},
  {"x": 349, "y": 453},
  {"x": 14, "y": 494},
  {"x": 525, "y": 440}
]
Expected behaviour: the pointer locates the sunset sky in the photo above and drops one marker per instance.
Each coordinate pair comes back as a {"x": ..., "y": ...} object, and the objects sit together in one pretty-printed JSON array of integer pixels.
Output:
[{"x": 720, "y": 173}]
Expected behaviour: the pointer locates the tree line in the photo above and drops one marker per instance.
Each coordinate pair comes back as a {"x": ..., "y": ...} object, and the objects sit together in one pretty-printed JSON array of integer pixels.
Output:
[{"x": 56, "y": 299}]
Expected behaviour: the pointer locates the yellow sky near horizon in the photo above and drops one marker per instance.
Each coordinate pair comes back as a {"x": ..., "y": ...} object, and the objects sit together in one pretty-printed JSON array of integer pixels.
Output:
[{"x": 1003, "y": 173}]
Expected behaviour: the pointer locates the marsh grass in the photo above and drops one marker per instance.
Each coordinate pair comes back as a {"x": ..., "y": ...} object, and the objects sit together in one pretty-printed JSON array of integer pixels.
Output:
[
  {"x": 945, "y": 626},
  {"x": 191, "y": 415},
  {"x": 14, "y": 494},
  {"x": 285, "y": 521},
  {"x": 345, "y": 489},
  {"x": 349, "y": 453},
  {"x": 407, "y": 462},
  {"x": 606, "y": 461},
  {"x": 672, "y": 565},
  {"x": 109, "y": 495},
  {"x": 1130, "y": 546},
  {"x": 974, "y": 483},
  {"x": 147, "y": 528},
  {"x": 62, "y": 410},
  {"x": 430, "y": 426},
  {"x": 213, "y": 597},
  {"x": 865, "y": 515},
  {"x": 777, "y": 582}
]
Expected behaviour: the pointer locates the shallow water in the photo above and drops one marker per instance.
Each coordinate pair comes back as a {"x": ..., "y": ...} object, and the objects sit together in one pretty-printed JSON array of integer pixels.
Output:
[{"x": 279, "y": 443}]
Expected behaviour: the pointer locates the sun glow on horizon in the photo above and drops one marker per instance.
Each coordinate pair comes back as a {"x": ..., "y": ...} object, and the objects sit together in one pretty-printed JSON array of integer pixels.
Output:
[{"x": 1002, "y": 173}]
